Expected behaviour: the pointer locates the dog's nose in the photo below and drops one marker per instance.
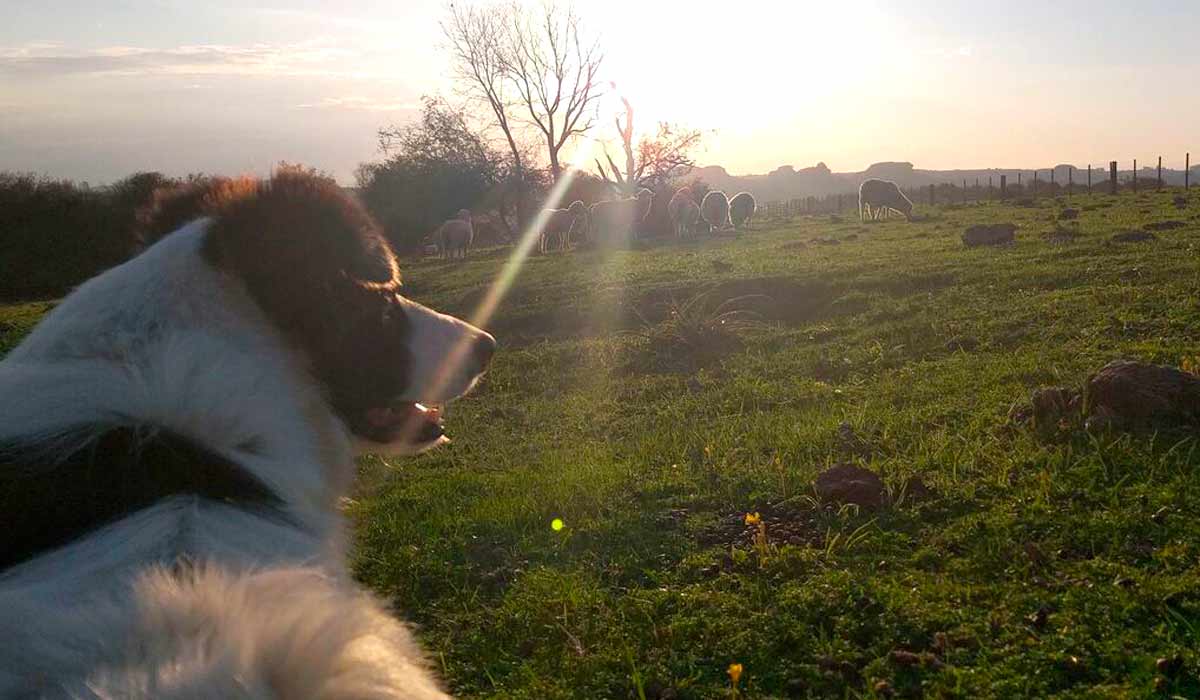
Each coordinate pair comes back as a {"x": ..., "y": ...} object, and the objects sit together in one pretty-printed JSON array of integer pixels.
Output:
[{"x": 482, "y": 350}]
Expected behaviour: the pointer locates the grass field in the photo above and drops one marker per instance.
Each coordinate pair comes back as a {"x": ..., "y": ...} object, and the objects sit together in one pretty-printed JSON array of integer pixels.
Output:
[{"x": 1037, "y": 566}]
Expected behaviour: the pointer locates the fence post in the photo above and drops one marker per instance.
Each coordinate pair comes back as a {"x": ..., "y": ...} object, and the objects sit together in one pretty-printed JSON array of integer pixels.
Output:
[
  {"x": 1033, "y": 187},
  {"x": 1187, "y": 171},
  {"x": 1051, "y": 180},
  {"x": 1112, "y": 176},
  {"x": 931, "y": 199},
  {"x": 1003, "y": 187},
  {"x": 1070, "y": 178},
  {"x": 1089, "y": 178},
  {"x": 1159, "y": 186},
  {"x": 1135, "y": 174}
]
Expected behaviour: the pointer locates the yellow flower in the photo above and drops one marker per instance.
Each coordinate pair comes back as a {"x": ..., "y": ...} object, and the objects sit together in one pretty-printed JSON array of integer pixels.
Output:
[
  {"x": 735, "y": 673},
  {"x": 753, "y": 518},
  {"x": 556, "y": 524}
]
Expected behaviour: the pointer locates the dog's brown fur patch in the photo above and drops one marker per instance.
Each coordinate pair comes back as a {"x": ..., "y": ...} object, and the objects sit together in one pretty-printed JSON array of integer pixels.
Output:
[{"x": 317, "y": 264}]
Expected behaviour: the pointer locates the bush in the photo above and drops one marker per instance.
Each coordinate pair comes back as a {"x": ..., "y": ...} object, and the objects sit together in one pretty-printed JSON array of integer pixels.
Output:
[{"x": 55, "y": 234}]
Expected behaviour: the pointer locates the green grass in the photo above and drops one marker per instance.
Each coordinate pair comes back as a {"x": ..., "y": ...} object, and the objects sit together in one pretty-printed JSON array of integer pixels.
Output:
[{"x": 655, "y": 586}]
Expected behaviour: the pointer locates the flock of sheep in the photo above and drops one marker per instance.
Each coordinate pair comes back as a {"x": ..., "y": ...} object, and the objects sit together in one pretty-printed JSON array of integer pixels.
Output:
[{"x": 614, "y": 220}]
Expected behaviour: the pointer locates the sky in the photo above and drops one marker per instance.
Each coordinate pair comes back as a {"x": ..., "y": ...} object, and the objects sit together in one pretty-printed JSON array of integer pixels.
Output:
[{"x": 96, "y": 89}]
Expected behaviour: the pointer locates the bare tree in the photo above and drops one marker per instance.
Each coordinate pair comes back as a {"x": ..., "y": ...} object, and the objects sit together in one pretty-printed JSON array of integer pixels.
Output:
[
  {"x": 656, "y": 160},
  {"x": 553, "y": 69},
  {"x": 477, "y": 39},
  {"x": 533, "y": 67}
]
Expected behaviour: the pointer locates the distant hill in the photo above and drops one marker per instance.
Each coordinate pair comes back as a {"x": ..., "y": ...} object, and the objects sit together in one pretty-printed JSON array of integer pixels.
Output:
[{"x": 787, "y": 182}]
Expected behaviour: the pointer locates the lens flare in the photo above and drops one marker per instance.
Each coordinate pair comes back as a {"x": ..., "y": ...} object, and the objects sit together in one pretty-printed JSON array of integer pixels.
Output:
[
  {"x": 483, "y": 313},
  {"x": 556, "y": 524}
]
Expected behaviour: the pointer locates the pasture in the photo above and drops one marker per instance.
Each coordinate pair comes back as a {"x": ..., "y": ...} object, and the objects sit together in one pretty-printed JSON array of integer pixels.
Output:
[{"x": 1005, "y": 562}]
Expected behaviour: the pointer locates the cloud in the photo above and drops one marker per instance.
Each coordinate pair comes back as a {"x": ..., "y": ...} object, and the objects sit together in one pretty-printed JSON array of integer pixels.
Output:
[
  {"x": 315, "y": 58},
  {"x": 964, "y": 51},
  {"x": 362, "y": 104}
]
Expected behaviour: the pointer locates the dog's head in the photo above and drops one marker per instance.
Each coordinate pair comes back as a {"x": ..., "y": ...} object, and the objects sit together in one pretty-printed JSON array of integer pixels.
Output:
[{"x": 318, "y": 266}]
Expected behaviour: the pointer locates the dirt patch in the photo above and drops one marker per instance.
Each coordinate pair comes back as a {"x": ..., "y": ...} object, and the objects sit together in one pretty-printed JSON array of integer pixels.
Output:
[
  {"x": 786, "y": 523},
  {"x": 848, "y": 483},
  {"x": 989, "y": 234},
  {"x": 1133, "y": 237},
  {"x": 1127, "y": 394},
  {"x": 1169, "y": 225}
]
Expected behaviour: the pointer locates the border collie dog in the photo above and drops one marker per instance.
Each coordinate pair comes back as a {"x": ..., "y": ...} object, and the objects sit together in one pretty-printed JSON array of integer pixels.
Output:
[{"x": 176, "y": 437}]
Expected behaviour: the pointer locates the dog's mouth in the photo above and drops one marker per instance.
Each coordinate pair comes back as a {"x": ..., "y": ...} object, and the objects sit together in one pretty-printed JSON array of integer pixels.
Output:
[{"x": 413, "y": 425}]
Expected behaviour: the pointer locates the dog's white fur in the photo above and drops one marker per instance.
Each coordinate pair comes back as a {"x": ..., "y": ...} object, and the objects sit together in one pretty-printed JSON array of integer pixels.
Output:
[{"x": 264, "y": 608}]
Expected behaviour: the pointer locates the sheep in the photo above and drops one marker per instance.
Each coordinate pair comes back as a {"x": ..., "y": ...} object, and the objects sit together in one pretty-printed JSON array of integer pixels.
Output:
[
  {"x": 878, "y": 198},
  {"x": 715, "y": 210},
  {"x": 557, "y": 225},
  {"x": 454, "y": 236},
  {"x": 689, "y": 216},
  {"x": 741, "y": 209},
  {"x": 683, "y": 212},
  {"x": 613, "y": 220}
]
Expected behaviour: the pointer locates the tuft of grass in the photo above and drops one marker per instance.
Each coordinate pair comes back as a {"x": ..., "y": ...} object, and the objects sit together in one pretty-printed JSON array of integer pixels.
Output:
[{"x": 700, "y": 328}]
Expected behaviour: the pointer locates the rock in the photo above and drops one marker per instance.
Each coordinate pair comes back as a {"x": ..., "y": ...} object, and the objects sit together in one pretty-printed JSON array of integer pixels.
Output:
[
  {"x": 989, "y": 234},
  {"x": 1068, "y": 214},
  {"x": 1180, "y": 201},
  {"x": 915, "y": 491},
  {"x": 847, "y": 483},
  {"x": 965, "y": 343},
  {"x": 1170, "y": 225},
  {"x": 1052, "y": 404},
  {"x": 1135, "y": 394},
  {"x": 721, "y": 266},
  {"x": 1133, "y": 237}
]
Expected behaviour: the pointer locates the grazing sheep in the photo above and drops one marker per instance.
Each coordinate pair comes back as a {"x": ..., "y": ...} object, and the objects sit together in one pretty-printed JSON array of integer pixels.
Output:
[
  {"x": 681, "y": 195},
  {"x": 741, "y": 209},
  {"x": 613, "y": 220},
  {"x": 558, "y": 225},
  {"x": 683, "y": 212},
  {"x": 715, "y": 210},
  {"x": 455, "y": 235},
  {"x": 689, "y": 217},
  {"x": 878, "y": 198}
]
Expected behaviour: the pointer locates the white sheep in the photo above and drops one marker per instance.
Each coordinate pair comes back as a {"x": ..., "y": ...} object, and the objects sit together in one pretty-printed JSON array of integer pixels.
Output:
[
  {"x": 715, "y": 210},
  {"x": 878, "y": 198},
  {"x": 681, "y": 209},
  {"x": 557, "y": 225},
  {"x": 613, "y": 220},
  {"x": 455, "y": 235},
  {"x": 741, "y": 209},
  {"x": 689, "y": 216}
]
